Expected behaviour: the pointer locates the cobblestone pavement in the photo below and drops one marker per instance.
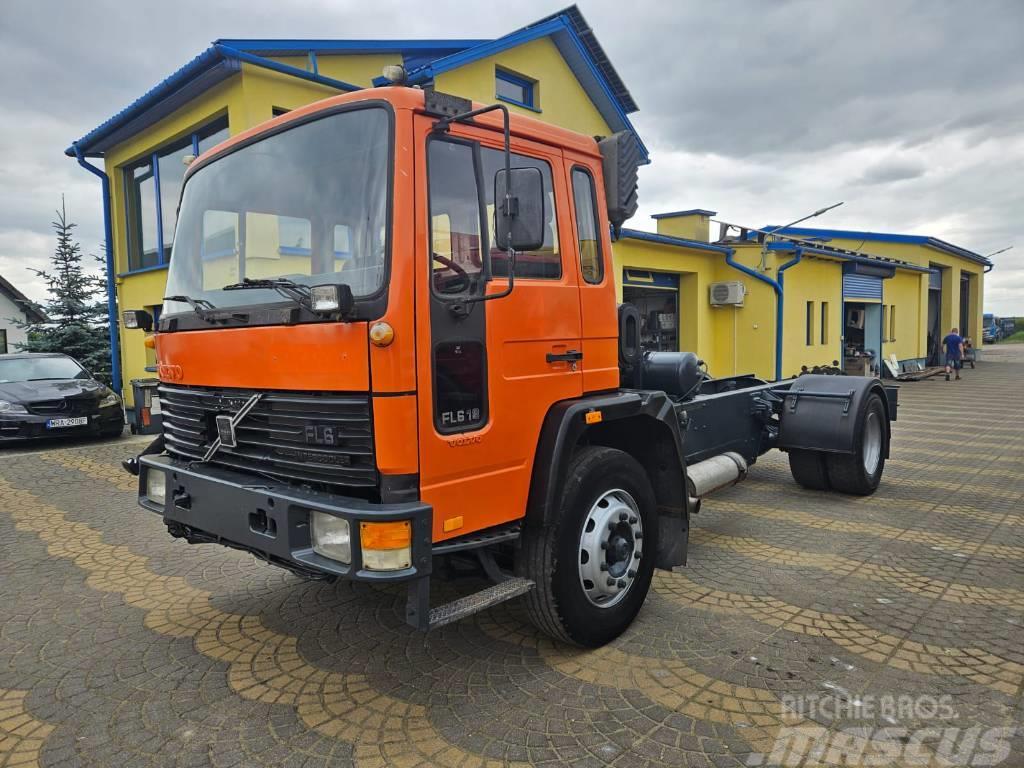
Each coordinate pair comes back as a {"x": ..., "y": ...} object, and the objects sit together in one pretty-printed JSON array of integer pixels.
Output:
[{"x": 122, "y": 647}]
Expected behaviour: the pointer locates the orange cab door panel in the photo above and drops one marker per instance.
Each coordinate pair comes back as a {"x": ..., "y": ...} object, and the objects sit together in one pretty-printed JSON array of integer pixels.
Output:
[
  {"x": 591, "y": 244},
  {"x": 477, "y": 466}
]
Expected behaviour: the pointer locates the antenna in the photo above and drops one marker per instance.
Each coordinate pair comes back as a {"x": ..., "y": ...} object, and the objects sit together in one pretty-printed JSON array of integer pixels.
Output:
[
  {"x": 764, "y": 267},
  {"x": 1001, "y": 250}
]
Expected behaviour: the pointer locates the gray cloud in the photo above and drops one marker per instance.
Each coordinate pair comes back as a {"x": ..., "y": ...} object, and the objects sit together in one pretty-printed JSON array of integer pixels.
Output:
[
  {"x": 911, "y": 111},
  {"x": 889, "y": 171}
]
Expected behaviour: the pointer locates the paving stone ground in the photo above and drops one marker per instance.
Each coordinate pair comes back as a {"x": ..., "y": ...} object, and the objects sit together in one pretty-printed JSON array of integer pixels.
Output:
[{"x": 798, "y": 610}]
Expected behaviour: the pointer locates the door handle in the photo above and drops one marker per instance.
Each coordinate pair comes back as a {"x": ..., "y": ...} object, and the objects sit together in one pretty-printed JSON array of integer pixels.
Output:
[{"x": 571, "y": 356}]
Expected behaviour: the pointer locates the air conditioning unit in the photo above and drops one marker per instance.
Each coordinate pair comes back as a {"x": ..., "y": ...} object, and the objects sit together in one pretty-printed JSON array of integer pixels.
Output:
[{"x": 730, "y": 293}]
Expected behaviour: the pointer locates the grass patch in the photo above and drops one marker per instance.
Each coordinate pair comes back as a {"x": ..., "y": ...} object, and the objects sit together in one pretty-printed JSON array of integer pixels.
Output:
[{"x": 1016, "y": 338}]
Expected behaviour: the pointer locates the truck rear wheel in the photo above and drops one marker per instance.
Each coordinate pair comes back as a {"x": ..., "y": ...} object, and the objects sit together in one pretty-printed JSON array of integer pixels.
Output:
[
  {"x": 860, "y": 472},
  {"x": 593, "y": 565},
  {"x": 809, "y": 470}
]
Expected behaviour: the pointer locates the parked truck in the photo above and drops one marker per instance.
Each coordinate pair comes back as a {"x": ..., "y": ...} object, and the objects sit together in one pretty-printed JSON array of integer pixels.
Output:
[{"x": 391, "y": 341}]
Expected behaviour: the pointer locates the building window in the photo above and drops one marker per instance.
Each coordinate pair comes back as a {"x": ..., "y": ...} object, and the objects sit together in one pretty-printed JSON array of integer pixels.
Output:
[
  {"x": 3, "y": 341},
  {"x": 885, "y": 322},
  {"x": 810, "y": 323},
  {"x": 588, "y": 232},
  {"x": 824, "y": 322},
  {"x": 515, "y": 89},
  {"x": 892, "y": 322},
  {"x": 152, "y": 188}
]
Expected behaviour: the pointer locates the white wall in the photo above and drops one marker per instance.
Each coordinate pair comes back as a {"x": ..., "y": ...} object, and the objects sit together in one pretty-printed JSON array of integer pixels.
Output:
[{"x": 9, "y": 309}]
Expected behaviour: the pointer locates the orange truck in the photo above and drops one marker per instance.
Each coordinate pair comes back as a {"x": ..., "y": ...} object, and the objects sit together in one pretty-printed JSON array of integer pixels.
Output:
[{"x": 390, "y": 339}]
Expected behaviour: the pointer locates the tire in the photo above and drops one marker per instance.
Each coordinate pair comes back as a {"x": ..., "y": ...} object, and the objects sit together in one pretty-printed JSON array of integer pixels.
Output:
[
  {"x": 859, "y": 473},
  {"x": 599, "y": 482},
  {"x": 809, "y": 470}
]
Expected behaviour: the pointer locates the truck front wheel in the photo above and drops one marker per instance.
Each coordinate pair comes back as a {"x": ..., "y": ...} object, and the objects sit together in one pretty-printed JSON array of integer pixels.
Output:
[{"x": 593, "y": 565}]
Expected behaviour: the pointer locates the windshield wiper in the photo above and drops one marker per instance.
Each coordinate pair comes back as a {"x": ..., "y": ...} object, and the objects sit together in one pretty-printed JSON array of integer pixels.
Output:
[
  {"x": 200, "y": 306},
  {"x": 297, "y": 292}
]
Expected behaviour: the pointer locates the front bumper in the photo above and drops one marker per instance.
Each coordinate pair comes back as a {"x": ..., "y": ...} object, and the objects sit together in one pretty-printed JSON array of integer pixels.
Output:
[
  {"x": 272, "y": 519},
  {"x": 29, "y": 426}
]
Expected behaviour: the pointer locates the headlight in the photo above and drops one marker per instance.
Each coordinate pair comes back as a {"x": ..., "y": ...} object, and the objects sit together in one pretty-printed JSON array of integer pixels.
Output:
[
  {"x": 6, "y": 407},
  {"x": 111, "y": 399},
  {"x": 332, "y": 537},
  {"x": 386, "y": 546},
  {"x": 156, "y": 485}
]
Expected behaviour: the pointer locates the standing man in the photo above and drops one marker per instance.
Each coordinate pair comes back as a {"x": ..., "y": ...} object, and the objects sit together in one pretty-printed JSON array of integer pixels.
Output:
[{"x": 954, "y": 344}]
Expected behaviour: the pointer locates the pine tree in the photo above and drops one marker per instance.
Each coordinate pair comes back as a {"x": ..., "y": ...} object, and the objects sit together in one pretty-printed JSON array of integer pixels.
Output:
[{"x": 76, "y": 308}]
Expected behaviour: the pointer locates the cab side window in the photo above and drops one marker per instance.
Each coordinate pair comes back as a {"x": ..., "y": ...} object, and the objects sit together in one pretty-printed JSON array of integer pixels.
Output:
[
  {"x": 546, "y": 261},
  {"x": 455, "y": 221},
  {"x": 587, "y": 228}
]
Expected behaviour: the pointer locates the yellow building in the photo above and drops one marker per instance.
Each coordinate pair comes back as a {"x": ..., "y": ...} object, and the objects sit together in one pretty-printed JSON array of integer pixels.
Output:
[
  {"x": 553, "y": 70},
  {"x": 743, "y": 306}
]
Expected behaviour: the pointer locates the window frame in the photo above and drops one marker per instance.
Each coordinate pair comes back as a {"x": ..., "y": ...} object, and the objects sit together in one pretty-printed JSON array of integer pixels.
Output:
[
  {"x": 151, "y": 161},
  {"x": 529, "y": 88},
  {"x": 585, "y": 171},
  {"x": 824, "y": 322},
  {"x": 810, "y": 324}
]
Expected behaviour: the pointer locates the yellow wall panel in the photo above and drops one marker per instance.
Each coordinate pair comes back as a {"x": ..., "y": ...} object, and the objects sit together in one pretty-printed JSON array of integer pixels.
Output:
[{"x": 560, "y": 97}]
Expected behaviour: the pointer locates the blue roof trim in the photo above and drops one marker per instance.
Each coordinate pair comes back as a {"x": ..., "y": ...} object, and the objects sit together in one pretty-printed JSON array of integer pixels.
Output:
[
  {"x": 573, "y": 51},
  {"x": 787, "y": 247},
  {"x": 883, "y": 237},
  {"x": 215, "y": 64},
  {"x": 679, "y": 242},
  {"x": 271, "y": 47},
  {"x": 691, "y": 212}
]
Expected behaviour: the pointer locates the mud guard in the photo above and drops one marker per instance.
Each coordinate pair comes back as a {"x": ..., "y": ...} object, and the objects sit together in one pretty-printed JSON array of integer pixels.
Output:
[
  {"x": 820, "y": 413},
  {"x": 626, "y": 421}
]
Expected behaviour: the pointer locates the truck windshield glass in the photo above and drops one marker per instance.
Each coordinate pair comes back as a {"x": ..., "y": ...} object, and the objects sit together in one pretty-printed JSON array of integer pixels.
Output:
[{"x": 309, "y": 203}]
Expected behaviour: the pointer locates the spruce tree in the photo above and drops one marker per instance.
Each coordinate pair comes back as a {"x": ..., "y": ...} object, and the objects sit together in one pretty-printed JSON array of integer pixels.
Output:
[{"x": 76, "y": 307}]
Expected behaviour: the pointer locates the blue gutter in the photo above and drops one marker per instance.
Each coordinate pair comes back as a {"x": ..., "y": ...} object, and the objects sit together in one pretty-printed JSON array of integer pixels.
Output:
[
  {"x": 115, "y": 342},
  {"x": 286, "y": 69}
]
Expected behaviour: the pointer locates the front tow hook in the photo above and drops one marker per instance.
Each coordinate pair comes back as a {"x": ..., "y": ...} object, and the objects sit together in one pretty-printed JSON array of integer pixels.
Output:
[
  {"x": 131, "y": 466},
  {"x": 182, "y": 500}
]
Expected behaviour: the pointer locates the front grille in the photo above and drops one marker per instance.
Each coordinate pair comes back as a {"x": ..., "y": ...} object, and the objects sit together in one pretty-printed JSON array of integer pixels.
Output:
[
  {"x": 303, "y": 437},
  {"x": 67, "y": 406}
]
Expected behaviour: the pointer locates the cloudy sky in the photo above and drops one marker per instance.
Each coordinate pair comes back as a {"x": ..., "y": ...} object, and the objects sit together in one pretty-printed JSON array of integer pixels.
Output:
[{"x": 909, "y": 111}]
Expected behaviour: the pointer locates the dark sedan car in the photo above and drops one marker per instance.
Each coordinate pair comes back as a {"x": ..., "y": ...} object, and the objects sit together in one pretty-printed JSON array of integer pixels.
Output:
[{"x": 51, "y": 395}]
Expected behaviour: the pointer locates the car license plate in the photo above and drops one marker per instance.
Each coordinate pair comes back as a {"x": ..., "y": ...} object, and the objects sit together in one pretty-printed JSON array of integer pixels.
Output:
[{"x": 75, "y": 421}]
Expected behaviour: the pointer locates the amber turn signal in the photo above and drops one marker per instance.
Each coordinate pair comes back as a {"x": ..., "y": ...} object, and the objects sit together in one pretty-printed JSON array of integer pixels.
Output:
[
  {"x": 381, "y": 334},
  {"x": 149, "y": 342},
  {"x": 394, "y": 535}
]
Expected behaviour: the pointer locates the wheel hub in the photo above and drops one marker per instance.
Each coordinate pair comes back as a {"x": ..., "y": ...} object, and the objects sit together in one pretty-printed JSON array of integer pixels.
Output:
[{"x": 611, "y": 546}]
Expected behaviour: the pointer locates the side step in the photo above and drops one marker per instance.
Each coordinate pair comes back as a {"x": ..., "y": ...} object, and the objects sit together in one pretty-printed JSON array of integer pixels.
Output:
[{"x": 478, "y": 601}]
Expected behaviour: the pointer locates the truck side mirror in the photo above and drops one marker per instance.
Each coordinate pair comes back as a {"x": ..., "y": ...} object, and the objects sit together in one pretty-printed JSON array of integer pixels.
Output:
[
  {"x": 137, "y": 318},
  {"x": 519, "y": 219},
  {"x": 620, "y": 160}
]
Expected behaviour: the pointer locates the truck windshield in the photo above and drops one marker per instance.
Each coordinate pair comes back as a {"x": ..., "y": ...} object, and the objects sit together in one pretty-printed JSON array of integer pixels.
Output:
[{"x": 309, "y": 203}]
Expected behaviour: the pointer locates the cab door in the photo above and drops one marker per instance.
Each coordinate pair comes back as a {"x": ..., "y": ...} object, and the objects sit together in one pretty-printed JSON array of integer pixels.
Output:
[
  {"x": 591, "y": 243},
  {"x": 488, "y": 370}
]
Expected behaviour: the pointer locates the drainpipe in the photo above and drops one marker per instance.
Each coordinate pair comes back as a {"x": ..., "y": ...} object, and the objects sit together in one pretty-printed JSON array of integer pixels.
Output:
[
  {"x": 777, "y": 287},
  {"x": 778, "y": 309},
  {"x": 115, "y": 342}
]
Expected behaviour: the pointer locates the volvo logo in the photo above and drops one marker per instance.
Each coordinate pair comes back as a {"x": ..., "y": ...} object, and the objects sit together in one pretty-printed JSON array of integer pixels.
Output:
[{"x": 168, "y": 372}]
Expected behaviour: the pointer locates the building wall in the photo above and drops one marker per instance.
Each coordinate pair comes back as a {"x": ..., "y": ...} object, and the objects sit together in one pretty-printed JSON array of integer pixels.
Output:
[
  {"x": 816, "y": 281},
  {"x": 952, "y": 267},
  {"x": 561, "y": 98},
  {"x": 908, "y": 293},
  {"x": 9, "y": 311}
]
